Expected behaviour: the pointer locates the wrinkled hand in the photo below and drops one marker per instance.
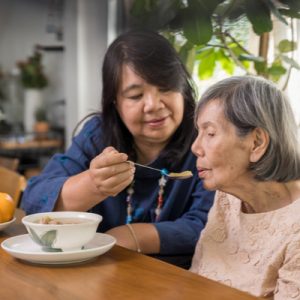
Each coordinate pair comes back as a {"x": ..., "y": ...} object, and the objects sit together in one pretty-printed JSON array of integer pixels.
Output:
[{"x": 110, "y": 172}]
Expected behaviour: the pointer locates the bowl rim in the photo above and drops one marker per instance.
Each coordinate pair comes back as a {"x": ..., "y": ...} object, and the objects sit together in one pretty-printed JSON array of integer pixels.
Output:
[{"x": 30, "y": 220}]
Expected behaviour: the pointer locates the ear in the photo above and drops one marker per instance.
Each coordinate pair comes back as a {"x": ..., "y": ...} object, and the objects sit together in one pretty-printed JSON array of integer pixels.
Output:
[{"x": 260, "y": 142}]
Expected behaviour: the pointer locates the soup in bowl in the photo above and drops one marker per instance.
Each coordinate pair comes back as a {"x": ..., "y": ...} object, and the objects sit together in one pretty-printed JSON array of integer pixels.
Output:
[{"x": 62, "y": 231}]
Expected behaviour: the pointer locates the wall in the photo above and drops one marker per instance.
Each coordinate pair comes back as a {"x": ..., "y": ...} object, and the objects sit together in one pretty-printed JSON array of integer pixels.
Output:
[
  {"x": 86, "y": 43},
  {"x": 74, "y": 74}
]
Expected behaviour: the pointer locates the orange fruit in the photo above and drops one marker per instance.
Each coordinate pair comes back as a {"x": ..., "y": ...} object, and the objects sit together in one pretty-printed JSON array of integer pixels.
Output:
[{"x": 7, "y": 207}]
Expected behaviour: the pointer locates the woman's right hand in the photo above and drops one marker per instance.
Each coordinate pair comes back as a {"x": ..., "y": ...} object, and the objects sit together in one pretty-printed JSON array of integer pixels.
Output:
[{"x": 110, "y": 172}]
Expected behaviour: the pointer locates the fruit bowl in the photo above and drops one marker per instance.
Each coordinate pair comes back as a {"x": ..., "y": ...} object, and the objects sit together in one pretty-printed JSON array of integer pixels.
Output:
[{"x": 6, "y": 224}]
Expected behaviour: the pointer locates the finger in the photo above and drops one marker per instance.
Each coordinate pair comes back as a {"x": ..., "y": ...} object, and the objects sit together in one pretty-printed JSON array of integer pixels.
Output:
[
  {"x": 108, "y": 159},
  {"x": 108, "y": 150},
  {"x": 120, "y": 187},
  {"x": 104, "y": 173},
  {"x": 116, "y": 184}
]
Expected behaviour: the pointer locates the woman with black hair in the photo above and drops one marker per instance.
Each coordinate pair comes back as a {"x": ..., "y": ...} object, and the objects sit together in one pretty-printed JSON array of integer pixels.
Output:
[{"x": 147, "y": 117}]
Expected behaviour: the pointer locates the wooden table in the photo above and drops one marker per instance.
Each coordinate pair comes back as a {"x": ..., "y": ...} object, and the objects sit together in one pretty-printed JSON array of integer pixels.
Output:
[
  {"x": 31, "y": 144},
  {"x": 32, "y": 153},
  {"x": 117, "y": 274}
]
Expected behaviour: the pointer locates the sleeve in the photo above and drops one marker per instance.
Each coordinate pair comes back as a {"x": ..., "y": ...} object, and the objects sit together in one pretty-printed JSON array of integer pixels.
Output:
[
  {"x": 43, "y": 190},
  {"x": 288, "y": 282},
  {"x": 181, "y": 235}
]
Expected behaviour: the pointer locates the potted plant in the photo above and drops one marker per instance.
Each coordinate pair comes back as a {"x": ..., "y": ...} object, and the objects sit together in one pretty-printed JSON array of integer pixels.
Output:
[
  {"x": 32, "y": 72},
  {"x": 34, "y": 81},
  {"x": 41, "y": 125},
  {"x": 209, "y": 35}
]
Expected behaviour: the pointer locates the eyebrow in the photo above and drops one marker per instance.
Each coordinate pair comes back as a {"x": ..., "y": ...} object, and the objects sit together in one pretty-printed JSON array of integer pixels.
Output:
[
  {"x": 131, "y": 87},
  {"x": 206, "y": 124}
]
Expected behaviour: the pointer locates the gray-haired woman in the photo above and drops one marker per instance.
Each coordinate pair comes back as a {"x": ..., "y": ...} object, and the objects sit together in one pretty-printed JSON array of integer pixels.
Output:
[{"x": 247, "y": 149}]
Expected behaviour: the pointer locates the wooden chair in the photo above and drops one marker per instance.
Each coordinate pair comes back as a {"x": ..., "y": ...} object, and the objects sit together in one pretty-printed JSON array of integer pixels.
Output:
[
  {"x": 12, "y": 183},
  {"x": 9, "y": 162}
]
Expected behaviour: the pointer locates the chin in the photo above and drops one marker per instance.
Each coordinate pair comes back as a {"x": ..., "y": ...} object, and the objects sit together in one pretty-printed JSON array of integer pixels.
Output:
[{"x": 209, "y": 186}]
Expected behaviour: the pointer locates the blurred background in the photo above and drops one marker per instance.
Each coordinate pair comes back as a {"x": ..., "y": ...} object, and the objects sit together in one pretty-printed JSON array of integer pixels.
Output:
[{"x": 51, "y": 53}]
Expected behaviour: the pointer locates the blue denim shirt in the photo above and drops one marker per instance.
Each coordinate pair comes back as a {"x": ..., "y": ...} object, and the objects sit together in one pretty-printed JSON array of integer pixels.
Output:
[{"x": 185, "y": 207}]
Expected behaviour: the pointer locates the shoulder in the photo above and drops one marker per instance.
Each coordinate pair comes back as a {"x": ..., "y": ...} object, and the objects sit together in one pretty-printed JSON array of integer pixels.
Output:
[
  {"x": 93, "y": 123},
  {"x": 90, "y": 127},
  {"x": 90, "y": 133}
]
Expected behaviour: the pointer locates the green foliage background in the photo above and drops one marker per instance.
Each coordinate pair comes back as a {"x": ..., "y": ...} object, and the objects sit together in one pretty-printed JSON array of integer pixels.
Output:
[{"x": 212, "y": 33}]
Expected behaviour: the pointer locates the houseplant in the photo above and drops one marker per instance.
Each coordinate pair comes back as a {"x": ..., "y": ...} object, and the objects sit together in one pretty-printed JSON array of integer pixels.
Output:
[
  {"x": 32, "y": 72},
  {"x": 41, "y": 125},
  {"x": 34, "y": 81},
  {"x": 208, "y": 41}
]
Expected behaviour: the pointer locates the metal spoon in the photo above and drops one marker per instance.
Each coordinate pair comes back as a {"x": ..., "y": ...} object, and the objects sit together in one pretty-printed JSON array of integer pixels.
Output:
[{"x": 171, "y": 175}]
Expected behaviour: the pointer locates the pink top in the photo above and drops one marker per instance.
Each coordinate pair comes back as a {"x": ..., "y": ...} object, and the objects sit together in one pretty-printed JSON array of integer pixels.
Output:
[{"x": 256, "y": 253}]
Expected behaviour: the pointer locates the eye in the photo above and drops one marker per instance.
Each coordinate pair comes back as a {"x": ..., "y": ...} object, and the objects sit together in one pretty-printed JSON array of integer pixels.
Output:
[
  {"x": 211, "y": 134},
  {"x": 136, "y": 97}
]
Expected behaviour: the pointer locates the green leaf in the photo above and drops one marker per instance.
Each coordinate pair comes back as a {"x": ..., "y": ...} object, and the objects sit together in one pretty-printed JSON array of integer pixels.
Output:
[
  {"x": 292, "y": 4},
  {"x": 153, "y": 14},
  {"x": 208, "y": 6},
  {"x": 290, "y": 61},
  {"x": 204, "y": 52},
  {"x": 287, "y": 46},
  {"x": 197, "y": 27},
  {"x": 226, "y": 63},
  {"x": 290, "y": 13},
  {"x": 190, "y": 60},
  {"x": 275, "y": 11},
  {"x": 249, "y": 57},
  {"x": 276, "y": 70},
  {"x": 259, "y": 16},
  {"x": 260, "y": 67},
  {"x": 207, "y": 66},
  {"x": 187, "y": 55}
]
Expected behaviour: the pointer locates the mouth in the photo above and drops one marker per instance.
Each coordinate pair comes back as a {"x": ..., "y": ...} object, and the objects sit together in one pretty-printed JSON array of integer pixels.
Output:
[
  {"x": 157, "y": 122},
  {"x": 202, "y": 172}
]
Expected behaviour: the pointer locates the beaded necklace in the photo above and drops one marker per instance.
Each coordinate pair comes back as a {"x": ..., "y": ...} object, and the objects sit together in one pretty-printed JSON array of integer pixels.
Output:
[{"x": 160, "y": 200}]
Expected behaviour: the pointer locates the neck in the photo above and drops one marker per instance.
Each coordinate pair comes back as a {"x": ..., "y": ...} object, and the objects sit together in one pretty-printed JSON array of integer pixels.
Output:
[
  {"x": 147, "y": 152},
  {"x": 268, "y": 196}
]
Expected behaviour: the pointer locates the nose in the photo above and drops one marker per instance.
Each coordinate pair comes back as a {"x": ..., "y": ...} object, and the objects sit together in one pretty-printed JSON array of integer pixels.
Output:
[
  {"x": 196, "y": 148},
  {"x": 153, "y": 101}
]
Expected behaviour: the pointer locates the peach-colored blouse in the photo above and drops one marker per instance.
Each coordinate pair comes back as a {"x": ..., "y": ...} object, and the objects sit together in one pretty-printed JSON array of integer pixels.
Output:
[{"x": 256, "y": 253}]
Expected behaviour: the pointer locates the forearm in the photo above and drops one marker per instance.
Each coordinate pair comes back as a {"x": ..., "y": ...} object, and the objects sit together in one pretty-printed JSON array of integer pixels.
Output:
[
  {"x": 78, "y": 194},
  {"x": 146, "y": 237}
]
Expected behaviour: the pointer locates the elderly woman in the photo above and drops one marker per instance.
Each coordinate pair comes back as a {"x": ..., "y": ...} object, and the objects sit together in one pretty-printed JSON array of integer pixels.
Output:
[{"x": 247, "y": 149}]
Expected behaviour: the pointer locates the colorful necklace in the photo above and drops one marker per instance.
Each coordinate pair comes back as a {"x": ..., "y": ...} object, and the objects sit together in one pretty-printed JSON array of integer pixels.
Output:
[{"x": 160, "y": 200}]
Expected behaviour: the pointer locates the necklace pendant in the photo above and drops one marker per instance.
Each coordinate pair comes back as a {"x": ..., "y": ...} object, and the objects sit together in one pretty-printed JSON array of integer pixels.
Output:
[
  {"x": 128, "y": 219},
  {"x": 157, "y": 212}
]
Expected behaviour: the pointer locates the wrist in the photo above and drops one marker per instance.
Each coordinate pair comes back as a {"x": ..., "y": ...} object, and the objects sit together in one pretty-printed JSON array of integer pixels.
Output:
[{"x": 132, "y": 232}]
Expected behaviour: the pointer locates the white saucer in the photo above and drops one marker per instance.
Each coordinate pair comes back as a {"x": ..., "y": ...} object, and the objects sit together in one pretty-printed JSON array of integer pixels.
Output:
[
  {"x": 5, "y": 224},
  {"x": 23, "y": 247}
]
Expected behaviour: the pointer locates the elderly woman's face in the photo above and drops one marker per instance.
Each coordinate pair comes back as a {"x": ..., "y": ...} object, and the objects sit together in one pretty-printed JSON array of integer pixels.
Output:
[
  {"x": 222, "y": 156},
  {"x": 150, "y": 114}
]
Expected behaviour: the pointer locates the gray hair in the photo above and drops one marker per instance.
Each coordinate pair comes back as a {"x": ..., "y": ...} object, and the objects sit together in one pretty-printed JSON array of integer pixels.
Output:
[{"x": 253, "y": 102}]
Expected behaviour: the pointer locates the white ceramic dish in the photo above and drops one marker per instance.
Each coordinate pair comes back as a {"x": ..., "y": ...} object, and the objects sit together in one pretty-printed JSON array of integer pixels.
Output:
[
  {"x": 76, "y": 229},
  {"x": 6, "y": 224},
  {"x": 22, "y": 247}
]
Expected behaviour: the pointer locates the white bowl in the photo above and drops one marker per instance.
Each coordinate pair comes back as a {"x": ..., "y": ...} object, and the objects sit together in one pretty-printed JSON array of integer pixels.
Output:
[{"x": 62, "y": 237}]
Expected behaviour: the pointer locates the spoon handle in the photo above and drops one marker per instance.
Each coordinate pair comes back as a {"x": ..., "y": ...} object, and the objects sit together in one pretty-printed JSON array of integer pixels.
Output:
[{"x": 143, "y": 166}]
